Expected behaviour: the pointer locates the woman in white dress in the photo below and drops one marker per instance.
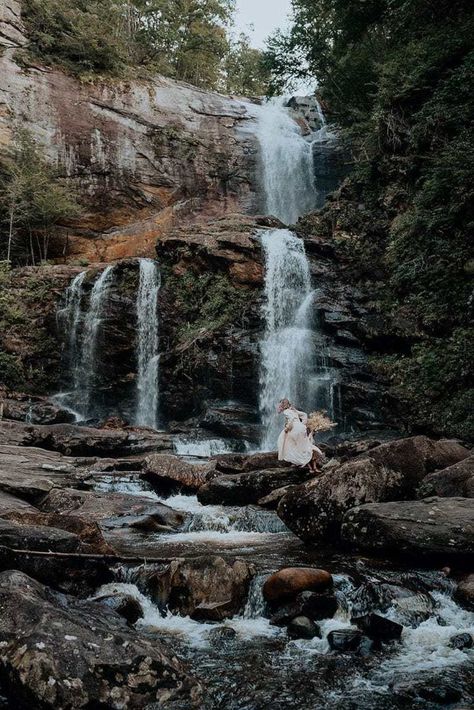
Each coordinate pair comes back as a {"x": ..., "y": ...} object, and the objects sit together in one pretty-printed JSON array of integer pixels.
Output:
[{"x": 294, "y": 445}]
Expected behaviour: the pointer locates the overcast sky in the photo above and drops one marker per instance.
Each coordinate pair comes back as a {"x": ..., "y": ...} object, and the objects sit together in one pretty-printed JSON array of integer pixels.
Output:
[{"x": 264, "y": 15}]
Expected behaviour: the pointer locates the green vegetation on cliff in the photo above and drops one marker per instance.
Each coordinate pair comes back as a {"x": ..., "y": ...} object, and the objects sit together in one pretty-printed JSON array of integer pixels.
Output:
[
  {"x": 188, "y": 40},
  {"x": 398, "y": 77}
]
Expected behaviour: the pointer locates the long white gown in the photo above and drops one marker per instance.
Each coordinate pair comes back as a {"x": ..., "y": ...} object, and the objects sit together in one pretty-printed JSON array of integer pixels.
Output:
[{"x": 294, "y": 445}]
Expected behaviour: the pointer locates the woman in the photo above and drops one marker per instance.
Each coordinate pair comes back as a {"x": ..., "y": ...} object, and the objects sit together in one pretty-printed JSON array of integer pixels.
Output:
[{"x": 294, "y": 445}]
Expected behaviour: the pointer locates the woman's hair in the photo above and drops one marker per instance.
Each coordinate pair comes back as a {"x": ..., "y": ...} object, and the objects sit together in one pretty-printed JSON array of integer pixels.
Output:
[{"x": 286, "y": 401}]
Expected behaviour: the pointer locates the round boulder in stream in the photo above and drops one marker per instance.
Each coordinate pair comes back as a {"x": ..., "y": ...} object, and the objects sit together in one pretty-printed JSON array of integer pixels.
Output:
[
  {"x": 287, "y": 583},
  {"x": 303, "y": 628}
]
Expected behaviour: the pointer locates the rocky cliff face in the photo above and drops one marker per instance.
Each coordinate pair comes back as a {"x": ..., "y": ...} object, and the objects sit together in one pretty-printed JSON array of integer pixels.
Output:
[{"x": 142, "y": 154}]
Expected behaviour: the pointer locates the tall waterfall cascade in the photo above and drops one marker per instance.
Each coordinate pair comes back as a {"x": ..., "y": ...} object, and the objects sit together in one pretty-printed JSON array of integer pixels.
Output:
[
  {"x": 147, "y": 344},
  {"x": 82, "y": 352},
  {"x": 287, "y": 163},
  {"x": 287, "y": 346}
]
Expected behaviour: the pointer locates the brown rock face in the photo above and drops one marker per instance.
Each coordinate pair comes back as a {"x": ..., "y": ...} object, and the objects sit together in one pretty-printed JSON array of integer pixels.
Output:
[
  {"x": 142, "y": 153},
  {"x": 465, "y": 592},
  {"x": 89, "y": 653},
  {"x": 287, "y": 583}
]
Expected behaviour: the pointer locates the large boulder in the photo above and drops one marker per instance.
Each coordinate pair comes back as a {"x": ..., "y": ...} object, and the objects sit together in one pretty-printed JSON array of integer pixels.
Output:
[
  {"x": 13, "y": 504},
  {"x": 287, "y": 583},
  {"x": 33, "y": 409},
  {"x": 241, "y": 463},
  {"x": 391, "y": 471},
  {"x": 203, "y": 587},
  {"x": 454, "y": 481},
  {"x": 434, "y": 527},
  {"x": 20, "y": 536},
  {"x": 250, "y": 487},
  {"x": 168, "y": 471},
  {"x": 60, "y": 652}
]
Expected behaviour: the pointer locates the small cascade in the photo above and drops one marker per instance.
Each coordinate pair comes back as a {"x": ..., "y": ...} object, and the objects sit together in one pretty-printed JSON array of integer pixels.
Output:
[
  {"x": 287, "y": 347},
  {"x": 255, "y": 605},
  {"x": 287, "y": 163},
  {"x": 147, "y": 344}
]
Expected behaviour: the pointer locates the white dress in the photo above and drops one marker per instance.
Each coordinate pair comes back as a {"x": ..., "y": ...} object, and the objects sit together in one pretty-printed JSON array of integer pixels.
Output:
[{"x": 294, "y": 445}]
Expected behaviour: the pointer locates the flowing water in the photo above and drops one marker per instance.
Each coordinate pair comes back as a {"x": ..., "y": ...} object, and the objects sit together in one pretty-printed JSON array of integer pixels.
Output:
[
  {"x": 147, "y": 344},
  {"x": 288, "y": 181},
  {"x": 83, "y": 329},
  {"x": 287, "y": 347}
]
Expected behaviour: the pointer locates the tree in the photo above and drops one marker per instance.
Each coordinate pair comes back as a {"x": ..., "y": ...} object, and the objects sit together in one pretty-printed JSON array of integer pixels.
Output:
[
  {"x": 245, "y": 71},
  {"x": 34, "y": 199}
]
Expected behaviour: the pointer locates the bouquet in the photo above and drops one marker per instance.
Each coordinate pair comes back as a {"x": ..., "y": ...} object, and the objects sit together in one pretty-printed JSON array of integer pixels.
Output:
[{"x": 319, "y": 421}]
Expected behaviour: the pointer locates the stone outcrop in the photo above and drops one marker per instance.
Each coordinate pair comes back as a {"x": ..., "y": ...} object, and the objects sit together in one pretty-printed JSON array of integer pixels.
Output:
[
  {"x": 57, "y": 651},
  {"x": 247, "y": 488},
  {"x": 142, "y": 153},
  {"x": 391, "y": 471},
  {"x": 456, "y": 480},
  {"x": 441, "y": 528},
  {"x": 167, "y": 471}
]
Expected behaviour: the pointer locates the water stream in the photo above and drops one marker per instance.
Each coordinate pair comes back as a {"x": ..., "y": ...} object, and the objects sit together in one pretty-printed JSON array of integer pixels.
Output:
[{"x": 147, "y": 344}]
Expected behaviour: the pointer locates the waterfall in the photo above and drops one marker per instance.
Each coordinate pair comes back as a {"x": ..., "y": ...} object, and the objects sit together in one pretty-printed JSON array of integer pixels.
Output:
[
  {"x": 287, "y": 348},
  {"x": 287, "y": 163},
  {"x": 82, "y": 352},
  {"x": 147, "y": 344}
]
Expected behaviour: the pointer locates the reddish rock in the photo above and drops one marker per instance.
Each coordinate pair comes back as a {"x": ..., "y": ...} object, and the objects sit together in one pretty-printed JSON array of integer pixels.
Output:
[
  {"x": 165, "y": 469},
  {"x": 290, "y": 581}
]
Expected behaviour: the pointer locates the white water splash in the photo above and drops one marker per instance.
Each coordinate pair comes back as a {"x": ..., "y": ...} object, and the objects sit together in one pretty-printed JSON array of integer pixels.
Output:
[
  {"x": 287, "y": 346},
  {"x": 147, "y": 344},
  {"x": 287, "y": 163}
]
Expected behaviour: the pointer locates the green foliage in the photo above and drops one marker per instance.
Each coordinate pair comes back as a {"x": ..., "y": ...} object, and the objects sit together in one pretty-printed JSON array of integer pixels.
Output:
[
  {"x": 34, "y": 201},
  {"x": 398, "y": 77},
  {"x": 207, "y": 302},
  {"x": 245, "y": 69},
  {"x": 11, "y": 370},
  {"x": 183, "y": 39}
]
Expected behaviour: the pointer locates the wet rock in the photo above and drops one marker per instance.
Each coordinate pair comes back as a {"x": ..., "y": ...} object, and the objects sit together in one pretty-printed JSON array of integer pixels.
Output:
[
  {"x": 461, "y": 641},
  {"x": 185, "y": 585},
  {"x": 454, "y": 481},
  {"x": 12, "y": 504},
  {"x": 161, "y": 470},
  {"x": 287, "y": 583},
  {"x": 248, "y": 488},
  {"x": 465, "y": 592},
  {"x": 378, "y": 627},
  {"x": 36, "y": 537},
  {"x": 441, "y": 528},
  {"x": 301, "y": 627},
  {"x": 123, "y": 604},
  {"x": 74, "y": 440},
  {"x": 412, "y": 606},
  {"x": 272, "y": 500},
  {"x": 71, "y": 573},
  {"x": 349, "y": 641},
  {"x": 427, "y": 686},
  {"x": 32, "y": 409},
  {"x": 115, "y": 508},
  {"x": 82, "y": 654},
  {"x": 213, "y": 611},
  {"x": 241, "y": 463},
  {"x": 316, "y": 606},
  {"x": 232, "y": 420},
  {"x": 31, "y": 472},
  {"x": 92, "y": 540},
  {"x": 391, "y": 471}
]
